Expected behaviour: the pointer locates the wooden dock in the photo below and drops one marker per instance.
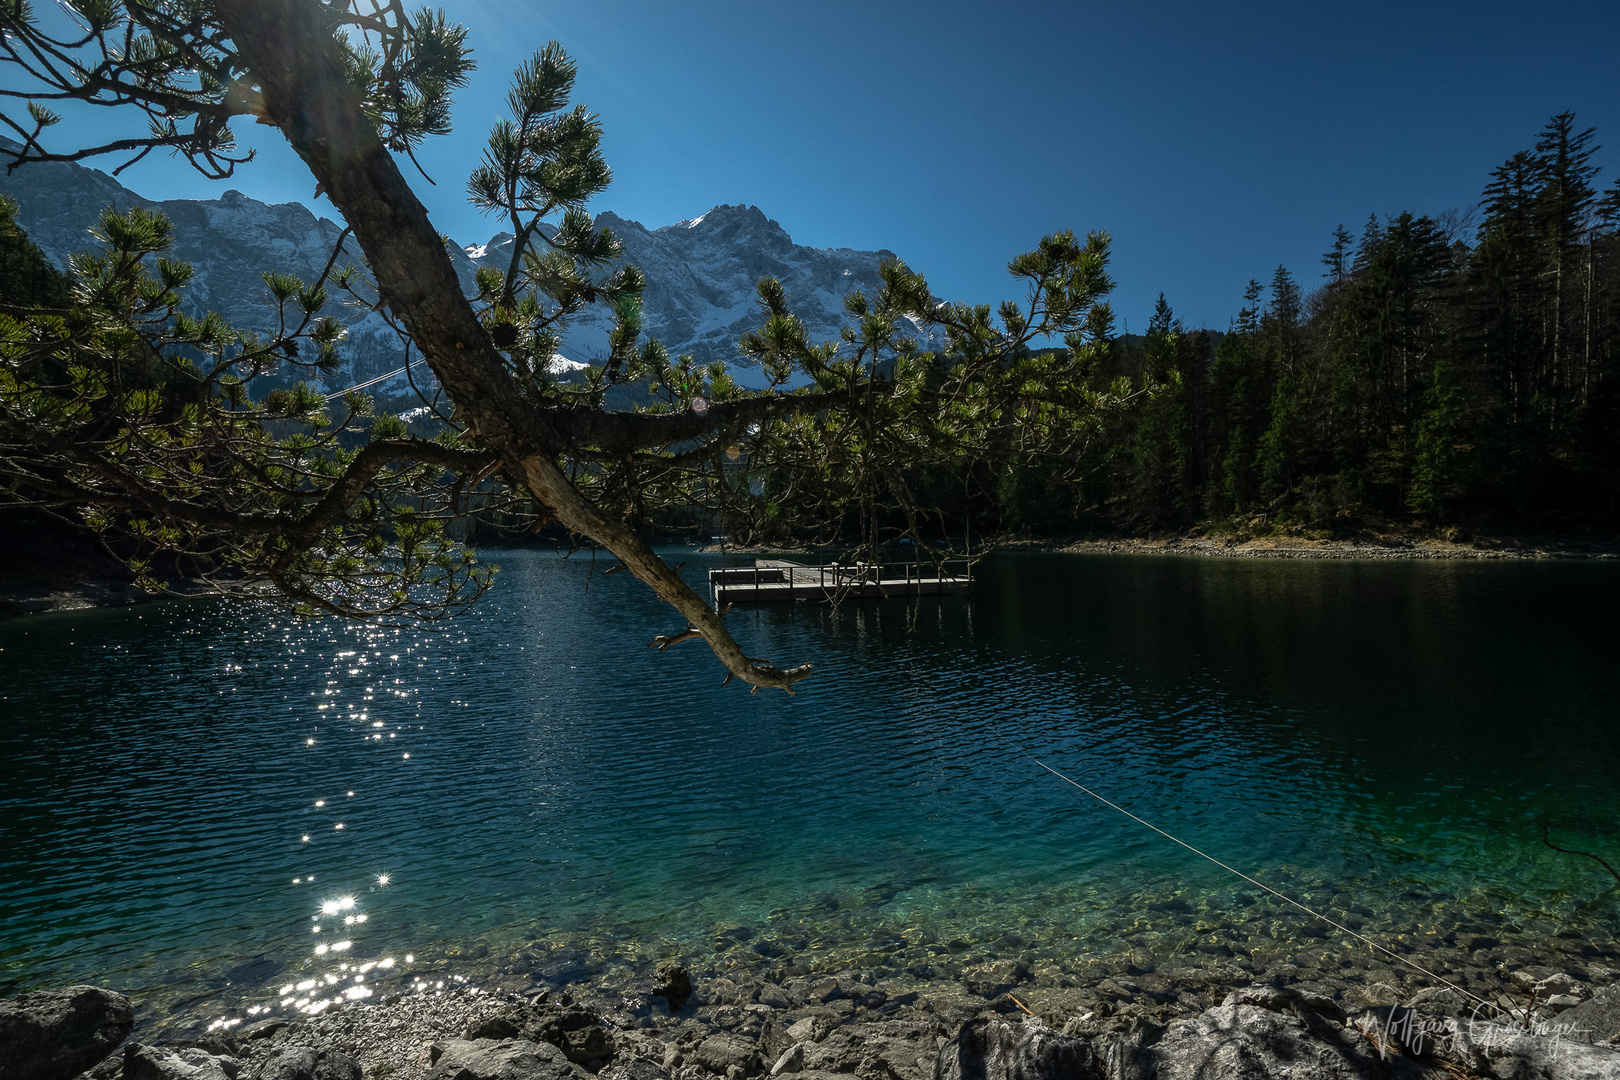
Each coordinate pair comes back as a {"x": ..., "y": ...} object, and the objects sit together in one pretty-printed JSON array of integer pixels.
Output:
[{"x": 779, "y": 581}]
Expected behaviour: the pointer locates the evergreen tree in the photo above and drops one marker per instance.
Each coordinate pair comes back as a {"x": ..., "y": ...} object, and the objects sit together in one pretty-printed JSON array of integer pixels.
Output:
[
  {"x": 27, "y": 279},
  {"x": 1159, "y": 450},
  {"x": 1336, "y": 258},
  {"x": 1281, "y": 451},
  {"x": 347, "y": 513}
]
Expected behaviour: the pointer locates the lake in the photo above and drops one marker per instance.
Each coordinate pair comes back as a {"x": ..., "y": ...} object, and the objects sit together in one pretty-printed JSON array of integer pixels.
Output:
[{"x": 206, "y": 805}]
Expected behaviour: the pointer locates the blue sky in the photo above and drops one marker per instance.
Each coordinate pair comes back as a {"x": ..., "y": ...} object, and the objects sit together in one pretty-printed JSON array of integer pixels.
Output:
[{"x": 1214, "y": 141}]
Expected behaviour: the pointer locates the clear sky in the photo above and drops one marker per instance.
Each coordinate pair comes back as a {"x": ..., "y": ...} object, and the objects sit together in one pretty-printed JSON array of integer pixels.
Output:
[{"x": 1214, "y": 141}]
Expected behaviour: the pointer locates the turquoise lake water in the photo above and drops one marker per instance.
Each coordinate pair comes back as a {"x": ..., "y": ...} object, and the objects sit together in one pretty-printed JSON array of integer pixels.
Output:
[{"x": 188, "y": 790}]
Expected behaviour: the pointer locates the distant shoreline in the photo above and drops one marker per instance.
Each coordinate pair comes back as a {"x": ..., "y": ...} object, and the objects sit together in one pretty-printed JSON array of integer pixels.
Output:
[
  {"x": 22, "y": 596},
  {"x": 1391, "y": 546},
  {"x": 1382, "y": 548}
]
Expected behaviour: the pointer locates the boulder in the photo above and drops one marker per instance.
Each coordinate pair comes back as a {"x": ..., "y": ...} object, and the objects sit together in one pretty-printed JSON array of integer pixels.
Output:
[
  {"x": 994, "y": 979},
  {"x": 635, "y": 1068},
  {"x": 675, "y": 987},
  {"x": 990, "y": 1048},
  {"x": 1301, "y": 1003},
  {"x": 1248, "y": 1042},
  {"x": 305, "y": 1063},
  {"x": 1596, "y": 1020},
  {"x": 1549, "y": 1051},
  {"x": 574, "y": 1030},
  {"x": 812, "y": 1028},
  {"x": 720, "y": 1052},
  {"x": 503, "y": 1059},
  {"x": 791, "y": 1060},
  {"x": 56, "y": 1034},
  {"x": 162, "y": 1063}
]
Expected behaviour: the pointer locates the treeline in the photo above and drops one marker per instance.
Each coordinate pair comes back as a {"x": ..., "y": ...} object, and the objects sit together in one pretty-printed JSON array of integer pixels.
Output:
[{"x": 1453, "y": 371}]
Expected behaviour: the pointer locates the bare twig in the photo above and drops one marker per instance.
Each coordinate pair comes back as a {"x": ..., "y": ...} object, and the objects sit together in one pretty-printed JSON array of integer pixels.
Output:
[{"x": 1568, "y": 851}]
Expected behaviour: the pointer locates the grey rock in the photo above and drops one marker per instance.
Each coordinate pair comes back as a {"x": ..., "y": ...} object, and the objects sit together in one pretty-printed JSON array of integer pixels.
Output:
[
  {"x": 305, "y": 1063},
  {"x": 1247, "y": 1042},
  {"x": 576, "y": 1031},
  {"x": 811, "y": 1028},
  {"x": 887, "y": 1048},
  {"x": 675, "y": 987},
  {"x": 876, "y": 1067},
  {"x": 264, "y": 1029},
  {"x": 1443, "y": 1000},
  {"x": 990, "y": 1048},
  {"x": 824, "y": 991},
  {"x": 1548, "y": 1052},
  {"x": 1597, "y": 1018},
  {"x": 773, "y": 1038},
  {"x": 790, "y": 1061},
  {"x": 56, "y": 1034},
  {"x": 719, "y": 1052},
  {"x": 633, "y": 1069},
  {"x": 1561, "y": 983},
  {"x": 1378, "y": 993},
  {"x": 504, "y": 1059},
  {"x": 840, "y": 1052},
  {"x": 1281, "y": 999},
  {"x": 993, "y": 980},
  {"x": 673, "y": 1058},
  {"x": 161, "y": 1063}
]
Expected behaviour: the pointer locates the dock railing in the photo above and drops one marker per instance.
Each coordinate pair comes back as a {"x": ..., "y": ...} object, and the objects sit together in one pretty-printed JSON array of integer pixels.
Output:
[{"x": 782, "y": 581}]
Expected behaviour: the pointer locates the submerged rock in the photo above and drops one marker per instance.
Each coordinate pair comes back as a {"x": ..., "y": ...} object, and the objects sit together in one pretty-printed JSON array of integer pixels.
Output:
[
  {"x": 56, "y": 1034},
  {"x": 675, "y": 987}
]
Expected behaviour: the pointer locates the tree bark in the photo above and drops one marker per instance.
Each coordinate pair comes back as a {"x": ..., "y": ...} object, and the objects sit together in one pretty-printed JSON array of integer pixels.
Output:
[{"x": 299, "y": 73}]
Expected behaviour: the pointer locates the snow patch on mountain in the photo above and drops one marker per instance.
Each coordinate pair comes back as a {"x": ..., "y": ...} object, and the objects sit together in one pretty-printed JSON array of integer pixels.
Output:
[{"x": 701, "y": 272}]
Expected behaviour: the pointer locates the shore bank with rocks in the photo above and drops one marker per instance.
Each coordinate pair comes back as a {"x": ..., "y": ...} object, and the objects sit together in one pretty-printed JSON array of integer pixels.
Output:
[
  {"x": 672, "y": 1027},
  {"x": 1365, "y": 544},
  {"x": 40, "y": 593},
  {"x": 1387, "y": 546}
]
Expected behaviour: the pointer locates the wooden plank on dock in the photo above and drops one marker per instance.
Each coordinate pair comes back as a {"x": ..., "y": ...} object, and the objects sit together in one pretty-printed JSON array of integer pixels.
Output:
[{"x": 778, "y": 581}]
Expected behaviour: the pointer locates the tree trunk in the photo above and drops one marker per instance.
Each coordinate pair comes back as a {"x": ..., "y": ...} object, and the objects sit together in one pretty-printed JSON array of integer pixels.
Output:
[{"x": 299, "y": 73}]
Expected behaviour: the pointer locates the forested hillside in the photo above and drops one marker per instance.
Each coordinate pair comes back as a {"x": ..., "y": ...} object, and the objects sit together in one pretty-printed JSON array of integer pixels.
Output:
[{"x": 1454, "y": 370}]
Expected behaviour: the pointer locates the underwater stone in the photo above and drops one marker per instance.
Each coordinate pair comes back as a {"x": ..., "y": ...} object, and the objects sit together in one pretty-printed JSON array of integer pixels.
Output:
[{"x": 675, "y": 987}]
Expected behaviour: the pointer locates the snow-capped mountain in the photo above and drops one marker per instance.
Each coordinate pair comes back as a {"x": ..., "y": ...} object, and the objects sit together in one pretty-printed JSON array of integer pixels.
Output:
[
  {"x": 701, "y": 272},
  {"x": 701, "y": 275}
]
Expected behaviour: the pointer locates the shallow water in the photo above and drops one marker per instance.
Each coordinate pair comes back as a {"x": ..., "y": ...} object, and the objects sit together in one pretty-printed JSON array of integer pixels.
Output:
[{"x": 1385, "y": 737}]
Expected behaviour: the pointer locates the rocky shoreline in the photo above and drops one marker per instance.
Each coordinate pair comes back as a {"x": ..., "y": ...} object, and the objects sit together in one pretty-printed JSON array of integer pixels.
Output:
[
  {"x": 1365, "y": 544},
  {"x": 1385, "y": 546},
  {"x": 33, "y": 595},
  {"x": 860, "y": 998},
  {"x": 1195, "y": 1025}
]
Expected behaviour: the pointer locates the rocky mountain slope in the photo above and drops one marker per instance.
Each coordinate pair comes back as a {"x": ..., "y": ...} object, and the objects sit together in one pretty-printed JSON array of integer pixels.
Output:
[
  {"x": 701, "y": 275},
  {"x": 701, "y": 272}
]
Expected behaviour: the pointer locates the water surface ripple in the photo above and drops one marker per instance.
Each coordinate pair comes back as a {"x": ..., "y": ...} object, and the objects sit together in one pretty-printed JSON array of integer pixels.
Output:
[{"x": 186, "y": 785}]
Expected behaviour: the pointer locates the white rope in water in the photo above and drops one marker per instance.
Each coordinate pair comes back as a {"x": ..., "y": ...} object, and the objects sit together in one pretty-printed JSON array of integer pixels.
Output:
[{"x": 1263, "y": 885}]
